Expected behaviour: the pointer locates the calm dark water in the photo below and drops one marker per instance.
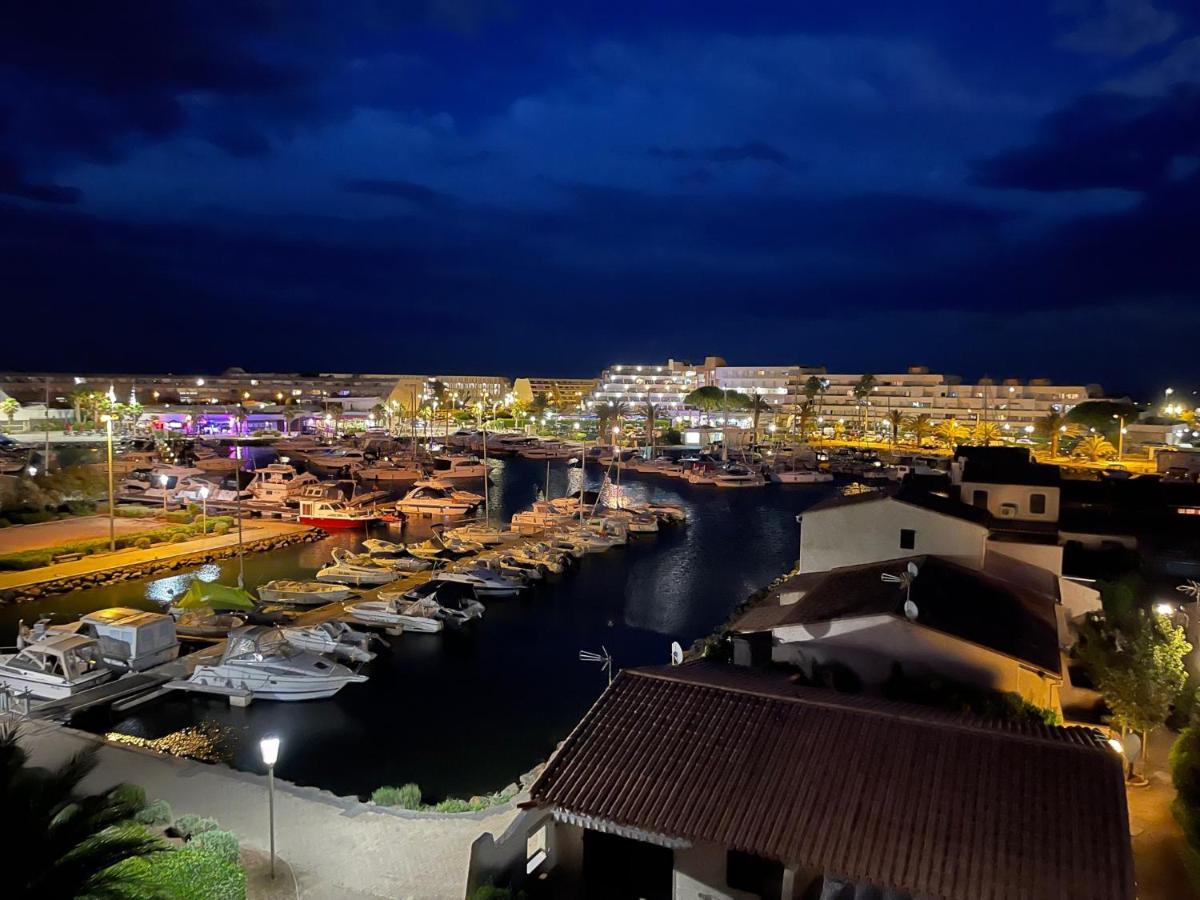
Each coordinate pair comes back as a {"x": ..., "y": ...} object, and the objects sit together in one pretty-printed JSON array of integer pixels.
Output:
[{"x": 465, "y": 712}]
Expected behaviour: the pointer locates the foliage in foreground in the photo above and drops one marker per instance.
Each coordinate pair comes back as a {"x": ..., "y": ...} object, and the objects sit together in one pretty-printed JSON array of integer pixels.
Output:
[
  {"x": 1185, "y": 774},
  {"x": 188, "y": 874},
  {"x": 221, "y": 844},
  {"x": 69, "y": 844}
]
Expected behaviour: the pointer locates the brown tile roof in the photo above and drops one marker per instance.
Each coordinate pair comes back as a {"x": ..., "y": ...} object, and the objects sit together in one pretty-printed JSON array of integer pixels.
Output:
[
  {"x": 950, "y": 598},
  {"x": 914, "y": 496},
  {"x": 900, "y": 797}
]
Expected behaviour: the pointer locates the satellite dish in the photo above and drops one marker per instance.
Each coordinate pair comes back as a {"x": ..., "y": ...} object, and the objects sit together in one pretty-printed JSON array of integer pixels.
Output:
[
  {"x": 676, "y": 653},
  {"x": 1133, "y": 746},
  {"x": 910, "y": 610},
  {"x": 912, "y": 569}
]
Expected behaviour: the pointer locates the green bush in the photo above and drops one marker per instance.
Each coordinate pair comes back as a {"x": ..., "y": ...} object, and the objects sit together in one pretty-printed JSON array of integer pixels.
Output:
[
  {"x": 4, "y": 523},
  {"x": 453, "y": 805},
  {"x": 1185, "y": 774},
  {"x": 133, "y": 794},
  {"x": 156, "y": 812},
  {"x": 133, "y": 511},
  {"x": 179, "y": 517},
  {"x": 142, "y": 543},
  {"x": 406, "y": 797},
  {"x": 220, "y": 528},
  {"x": 178, "y": 538},
  {"x": 221, "y": 844},
  {"x": 80, "y": 507},
  {"x": 187, "y": 874},
  {"x": 190, "y": 826},
  {"x": 32, "y": 516}
]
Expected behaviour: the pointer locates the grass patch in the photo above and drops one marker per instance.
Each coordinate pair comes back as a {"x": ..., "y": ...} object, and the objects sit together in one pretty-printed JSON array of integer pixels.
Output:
[{"x": 407, "y": 796}]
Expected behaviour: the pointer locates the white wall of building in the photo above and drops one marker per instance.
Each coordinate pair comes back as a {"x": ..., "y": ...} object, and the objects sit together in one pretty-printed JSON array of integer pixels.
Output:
[
  {"x": 700, "y": 874},
  {"x": 860, "y": 533},
  {"x": 1014, "y": 501}
]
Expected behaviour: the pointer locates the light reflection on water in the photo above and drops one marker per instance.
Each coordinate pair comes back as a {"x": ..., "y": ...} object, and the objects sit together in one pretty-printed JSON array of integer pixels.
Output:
[{"x": 466, "y": 712}]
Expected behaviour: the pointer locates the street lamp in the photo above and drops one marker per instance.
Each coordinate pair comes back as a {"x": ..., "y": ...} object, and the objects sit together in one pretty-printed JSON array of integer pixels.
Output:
[
  {"x": 1120, "y": 436},
  {"x": 269, "y": 747},
  {"x": 204, "y": 510},
  {"x": 162, "y": 480}
]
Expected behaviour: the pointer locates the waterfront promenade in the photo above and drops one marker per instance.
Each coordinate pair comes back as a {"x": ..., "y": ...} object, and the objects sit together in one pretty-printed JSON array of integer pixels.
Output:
[
  {"x": 335, "y": 847},
  {"x": 252, "y": 530}
]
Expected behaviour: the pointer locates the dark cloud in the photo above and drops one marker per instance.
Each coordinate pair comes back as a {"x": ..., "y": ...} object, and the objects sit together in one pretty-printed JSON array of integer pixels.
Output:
[
  {"x": 753, "y": 151},
  {"x": 417, "y": 194},
  {"x": 1116, "y": 27},
  {"x": 1105, "y": 140}
]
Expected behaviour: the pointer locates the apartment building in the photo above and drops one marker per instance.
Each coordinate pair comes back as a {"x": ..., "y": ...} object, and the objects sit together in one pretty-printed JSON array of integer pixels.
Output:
[
  {"x": 663, "y": 384},
  {"x": 563, "y": 394}
]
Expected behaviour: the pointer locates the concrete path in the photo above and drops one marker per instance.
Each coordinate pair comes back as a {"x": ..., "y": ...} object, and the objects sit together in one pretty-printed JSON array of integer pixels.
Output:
[
  {"x": 332, "y": 847},
  {"x": 16, "y": 538},
  {"x": 251, "y": 530},
  {"x": 1159, "y": 849}
]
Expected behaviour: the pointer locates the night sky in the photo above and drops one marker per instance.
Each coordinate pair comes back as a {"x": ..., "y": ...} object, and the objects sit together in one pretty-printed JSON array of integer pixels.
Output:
[{"x": 1009, "y": 188}]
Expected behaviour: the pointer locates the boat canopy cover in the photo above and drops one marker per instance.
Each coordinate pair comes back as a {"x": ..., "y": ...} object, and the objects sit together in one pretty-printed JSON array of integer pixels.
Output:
[{"x": 210, "y": 595}]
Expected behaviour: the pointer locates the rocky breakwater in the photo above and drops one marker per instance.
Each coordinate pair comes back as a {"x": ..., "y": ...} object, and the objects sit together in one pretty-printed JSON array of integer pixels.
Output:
[{"x": 151, "y": 567}]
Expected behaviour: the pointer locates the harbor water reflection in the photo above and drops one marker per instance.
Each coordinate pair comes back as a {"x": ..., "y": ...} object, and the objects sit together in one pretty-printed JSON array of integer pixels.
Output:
[{"x": 465, "y": 712}]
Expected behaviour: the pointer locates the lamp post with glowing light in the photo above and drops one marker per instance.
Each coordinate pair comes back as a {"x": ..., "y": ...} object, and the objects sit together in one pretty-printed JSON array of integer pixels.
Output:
[
  {"x": 162, "y": 481},
  {"x": 1120, "y": 436},
  {"x": 269, "y": 746},
  {"x": 112, "y": 512},
  {"x": 204, "y": 510}
]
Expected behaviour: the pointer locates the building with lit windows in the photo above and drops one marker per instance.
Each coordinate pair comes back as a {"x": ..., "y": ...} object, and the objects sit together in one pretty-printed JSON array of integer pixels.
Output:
[
  {"x": 563, "y": 394},
  {"x": 665, "y": 385}
]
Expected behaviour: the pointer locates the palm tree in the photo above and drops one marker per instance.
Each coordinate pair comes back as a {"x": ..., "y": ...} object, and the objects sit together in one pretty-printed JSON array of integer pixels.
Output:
[
  {"x": 757, "y": 406},
  {"x": 651, "y": 417},
  {"x": 862, "y": 391},
  {"x": 68, "y": 842},
  {"x": 896, "y": 421},
  {"x": 1054, "y": 427},
  {"x": 920, "y": 427},
  {"x": 987, "y": 432},
  {"x": 950, "y": 432},
  {"x": 1094, "y": 447},
  {"x": 10, "y": 408},
  {"x": 79, "y": 401},
  {"x": 802, "y": 419}
]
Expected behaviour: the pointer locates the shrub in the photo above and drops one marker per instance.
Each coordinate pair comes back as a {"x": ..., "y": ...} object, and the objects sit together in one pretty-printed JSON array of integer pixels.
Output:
[
  {"x": 221, "y": 844},
  {"x": 133, "y": 794},
  {"x": 80, "y": 507},
  {"x": 156, "y": 812},
  {"x": 133, "y": 511},
  {"x": 142, "y": 543},
  {"x": 32, "y": 517},
  {"x": 220, "y": 528},
  {"x": 453, "y": 805},
  {"x": 178, "y": 538},
  {"x": 187, "y": 874},
  {"x": 190, "y": 826},
  {"x": 406, "y": 797},
  {"x": 4, "y": 523},
  {"x": 179, "y": 517}
]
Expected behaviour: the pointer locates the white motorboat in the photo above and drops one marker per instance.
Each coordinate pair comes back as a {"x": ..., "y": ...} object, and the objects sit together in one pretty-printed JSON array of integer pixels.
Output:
[
  {"x": 545, "y": 450},
  {"x": 336, "y": 461},
  {"x": 210, "y": 461},
  {"x": 801, "y": 476},
  {"x": 150, "y": 485},
  {"x": 483, "y": 534},
  {"x": 737, "y": 476},
  {"x": 408, "y": 615},
  {"x": 485, "y": 582},
  {"x": 199, "y": 490},
  {"x": 637, "y": 522},
  {"x": 430, "y": 500},
  {"x": 446, "y": 602},
  {"x": 127, "y": 639},
  {"x": 512, "y": 567},
  {"x": 396, "y": 556},
  {"x": 278, "y": 483},
  {"x": 56, "y": 667},
  {"x": 332, "y": 638},
  {"x": 335, "y": 514},
  {"x": 458, "y": 468},
  {"x": 302, "y": 593},
  {"x": 347, "y": 570},
  {"x": 389, "y": 473},
  {"x": 259, "y": 663}
]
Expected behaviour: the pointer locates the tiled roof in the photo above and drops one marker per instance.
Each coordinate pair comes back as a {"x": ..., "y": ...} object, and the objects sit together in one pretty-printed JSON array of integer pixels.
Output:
[
  {"x": 900, "y": 797},
  {"x": 950, "y": 598}
]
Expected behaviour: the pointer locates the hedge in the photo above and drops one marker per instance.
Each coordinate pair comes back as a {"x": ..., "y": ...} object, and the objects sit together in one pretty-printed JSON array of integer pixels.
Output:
[{"x": 33, "y": 559}]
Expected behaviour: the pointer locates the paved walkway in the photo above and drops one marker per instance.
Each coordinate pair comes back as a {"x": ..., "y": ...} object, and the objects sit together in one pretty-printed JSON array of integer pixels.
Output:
[
  {"x": 16, "y": 538},
  {"x": 251, "y": 530},
  {"x": 333, "y": 847},
  {"x": 1158, "y": 845}
]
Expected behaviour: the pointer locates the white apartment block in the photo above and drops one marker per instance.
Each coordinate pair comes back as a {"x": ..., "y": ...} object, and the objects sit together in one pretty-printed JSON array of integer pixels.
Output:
[
  {"x": 664, "y": 385},
  {"x": 1012, "y": 404}
]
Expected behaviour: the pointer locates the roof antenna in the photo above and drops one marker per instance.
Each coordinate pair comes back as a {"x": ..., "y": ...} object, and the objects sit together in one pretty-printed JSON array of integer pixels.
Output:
[
  {"x": 603, "y": 657},
  {"x": 906, "y": 579}
]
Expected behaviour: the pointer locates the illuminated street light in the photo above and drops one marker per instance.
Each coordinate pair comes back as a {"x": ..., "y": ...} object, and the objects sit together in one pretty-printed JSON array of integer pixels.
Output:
[
  {"x": 204, "y": 510},
  {"x": 32, "y": 470},
  {"x": 162, "y": 480},
  {"x": 269, "y": 747},
  {"x": 1164, "y": 609}
]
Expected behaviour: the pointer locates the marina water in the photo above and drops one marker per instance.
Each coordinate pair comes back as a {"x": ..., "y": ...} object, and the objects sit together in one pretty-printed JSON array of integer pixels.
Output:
[{"x": 467, "y": 711}]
